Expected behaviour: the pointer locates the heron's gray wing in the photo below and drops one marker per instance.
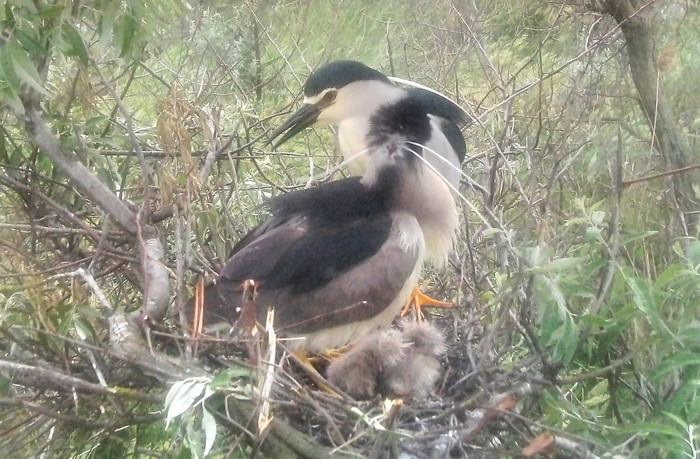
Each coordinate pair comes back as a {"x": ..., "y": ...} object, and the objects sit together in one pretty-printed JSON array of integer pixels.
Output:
[
  {"x": 300, "y": 258},
  {"x": 360, "y": 293},
  {"x": 296, "y": 259},
  {"x": 252, "y": 260}
]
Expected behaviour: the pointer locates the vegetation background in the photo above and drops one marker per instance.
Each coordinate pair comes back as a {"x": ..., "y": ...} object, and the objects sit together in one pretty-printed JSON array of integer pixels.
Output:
[{"x": 133, "y": 155}]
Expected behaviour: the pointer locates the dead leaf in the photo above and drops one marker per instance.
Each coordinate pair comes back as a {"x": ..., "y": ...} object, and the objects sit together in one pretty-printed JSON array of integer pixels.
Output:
[
  {"x": 507, "y": 403},
  {"x": 538, "y": 444}
]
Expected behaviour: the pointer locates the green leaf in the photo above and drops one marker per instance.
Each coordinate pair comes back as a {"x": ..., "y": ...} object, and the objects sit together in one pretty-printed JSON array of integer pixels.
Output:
[
  {"x": 593, "y": 233},
  {"x": 107, "y": 177},
  {"x": 559, "y": 265},
  {"x": 601, "y": 388},
  {"x": 645, "y": 302},
  {"x": 27, "y": 4},
  {"x": 694, "y": 254},
  {"x": 174, "y": 390},
  {"x": 194, "y": 441},
  {"x": 11, "y": 98},
  {"x": 106, "y": 25},
  {"x": 30, "y": 43},
  {"x": 84, "y": 328},
  {"x": 674, "y": 362},
  {"x": 689, "y": 334},
  {"x": 670, "y": 274},
  {"x": 5, "y": 385},
  {"x": 209, "y": 427},
  {"x": 50, "y": 12},
  {"x": 25, "y": 69},
  {"x": 648, "y": 427},
  {"x": 9, "y": 21},
  {"x": 7, "y": 66},
  {"x": 93, "y": 125},
  {"x": 223, "y": 379},
  {"x": 183, "y": 395},
  {"x": 76, "y": 46},
  {"x": 125, "y": 31},
  {"x": 597, "y": 321},
  {"x": 596, "y": 400},
  {"x": 597, "y": 217},
  {"x": 549, "y": 321},
  {"x": 558, "y": 296},
  {"x": 565, "y": 348},
  {"x": 678, "y": 420}
]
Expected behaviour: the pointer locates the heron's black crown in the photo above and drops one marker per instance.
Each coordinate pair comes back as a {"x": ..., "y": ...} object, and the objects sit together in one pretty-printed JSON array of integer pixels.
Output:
[
  {"x": 407, "y": 118},
  {"x": 337, "y": 74}
]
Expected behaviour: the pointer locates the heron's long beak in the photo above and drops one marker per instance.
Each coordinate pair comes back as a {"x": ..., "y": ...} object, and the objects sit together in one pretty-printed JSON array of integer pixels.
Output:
[{"x": 300, "y": 120}]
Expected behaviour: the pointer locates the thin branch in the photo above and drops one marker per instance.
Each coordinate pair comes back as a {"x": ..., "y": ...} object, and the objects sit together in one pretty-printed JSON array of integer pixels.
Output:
[
  {"x": 76, "y": 171},
  {"x": 43, "y": 377},
  {"x": 627, "y": 183}
]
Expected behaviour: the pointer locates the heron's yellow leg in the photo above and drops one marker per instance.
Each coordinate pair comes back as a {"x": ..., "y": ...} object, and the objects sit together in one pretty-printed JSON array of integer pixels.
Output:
[{"x": 420, "y": 300}]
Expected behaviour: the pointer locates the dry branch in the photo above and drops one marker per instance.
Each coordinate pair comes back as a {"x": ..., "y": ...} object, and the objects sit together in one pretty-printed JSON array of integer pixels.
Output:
[
  {"x": 76, "y": 171},
  {"x": 42, "y": 377}
]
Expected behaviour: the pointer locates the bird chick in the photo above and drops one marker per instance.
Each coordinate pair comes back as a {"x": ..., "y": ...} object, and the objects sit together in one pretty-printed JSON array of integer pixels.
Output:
[
  {"x": 395, "y": 363},
  {"x": 357, "y": 372},
  {"x": 419, "y": 367}
]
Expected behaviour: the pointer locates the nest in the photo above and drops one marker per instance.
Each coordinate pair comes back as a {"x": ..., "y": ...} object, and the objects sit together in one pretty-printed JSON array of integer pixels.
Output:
[{"x": 481, "y": 405}]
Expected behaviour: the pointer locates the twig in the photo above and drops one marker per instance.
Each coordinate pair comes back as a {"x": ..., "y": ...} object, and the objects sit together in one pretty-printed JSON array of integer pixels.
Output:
[
  {"x": 90, "y": 281},
  {"x": 597, "y": 373},
  {"x": 76, "y": 171},
  {"x": 575, "y": 448},
  {"x": 30, "y": 375},
  {"x": 146, "y": 170},
  {"x": 213, "y": 154},
  {"x": 316, "y": 377},
  {"x": 627, "y": 183},
  {"x": 383, "y": 437},
  {"x": 44, "y": 229},
  {"x": 94, "y": 234},
  {"x": 78, "y": 421},
  {"x": 102, "y": 243},
  {"x": 264, "y": 417}
]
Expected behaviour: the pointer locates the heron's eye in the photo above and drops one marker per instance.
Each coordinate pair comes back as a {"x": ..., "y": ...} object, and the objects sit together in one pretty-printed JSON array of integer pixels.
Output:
[{"x": 330, "y": 96}]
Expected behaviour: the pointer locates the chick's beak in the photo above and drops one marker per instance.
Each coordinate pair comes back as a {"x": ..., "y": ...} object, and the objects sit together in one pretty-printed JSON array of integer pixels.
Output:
[{"x": 304, "y": 117}]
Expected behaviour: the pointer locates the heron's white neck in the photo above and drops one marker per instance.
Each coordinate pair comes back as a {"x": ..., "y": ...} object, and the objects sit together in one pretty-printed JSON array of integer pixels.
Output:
[
  {"x": 428, "y": 198},
  {"x": 420, "y": 192}
]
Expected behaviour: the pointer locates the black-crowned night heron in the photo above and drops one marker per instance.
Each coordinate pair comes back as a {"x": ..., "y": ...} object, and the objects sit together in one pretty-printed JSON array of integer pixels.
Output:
[
  {"x": 340, "y": 260},
  {"x": 346, "y": 94}
]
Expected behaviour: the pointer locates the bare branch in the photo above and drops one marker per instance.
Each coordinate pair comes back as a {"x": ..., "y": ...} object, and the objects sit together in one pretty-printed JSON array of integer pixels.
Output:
[{"x": 76, "y": 171}]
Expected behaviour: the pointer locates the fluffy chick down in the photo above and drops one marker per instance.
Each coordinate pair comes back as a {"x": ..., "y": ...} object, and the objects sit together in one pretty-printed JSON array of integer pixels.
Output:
[
  {"x": 357, "y": 371},
  {"x": 394, "y": 363},
  {"x": 419, "y": 368}
]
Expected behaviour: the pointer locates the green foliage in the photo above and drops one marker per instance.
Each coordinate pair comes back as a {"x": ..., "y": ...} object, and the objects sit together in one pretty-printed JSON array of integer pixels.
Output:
[{"x": 187, "y": 397}]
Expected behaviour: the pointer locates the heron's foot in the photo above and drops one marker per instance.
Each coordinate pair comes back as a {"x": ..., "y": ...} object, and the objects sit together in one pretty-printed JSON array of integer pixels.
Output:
[
  {"x": 306, "y": 364},
  {"x": 419, "y": 300},
  {"x": 334, "y": 354}
]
